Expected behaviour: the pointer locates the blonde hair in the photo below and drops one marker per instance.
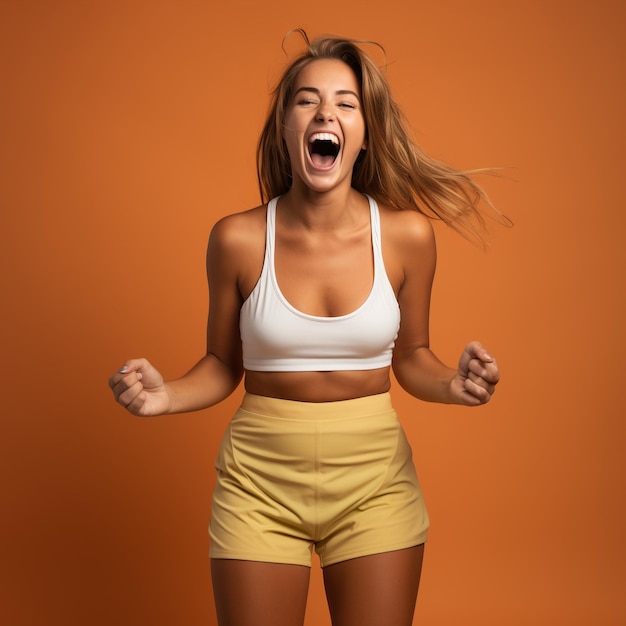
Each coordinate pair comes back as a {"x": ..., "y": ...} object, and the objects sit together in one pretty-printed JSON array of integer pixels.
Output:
[{"x": 393, "y": 169}]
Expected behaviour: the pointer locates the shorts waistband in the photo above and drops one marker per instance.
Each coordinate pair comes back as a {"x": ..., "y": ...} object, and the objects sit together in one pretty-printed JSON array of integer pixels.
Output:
[{"x": 296, "y": 410}]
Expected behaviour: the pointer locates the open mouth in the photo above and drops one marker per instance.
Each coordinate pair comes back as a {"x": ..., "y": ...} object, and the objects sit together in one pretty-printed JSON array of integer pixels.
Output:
[{"x": 323, "y": 149}]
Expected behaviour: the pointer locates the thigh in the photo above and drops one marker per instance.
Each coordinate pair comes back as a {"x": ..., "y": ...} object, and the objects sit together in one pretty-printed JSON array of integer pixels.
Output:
[
  {"x": 250, "y": 593},
  {"x": 377, "y": 590}
]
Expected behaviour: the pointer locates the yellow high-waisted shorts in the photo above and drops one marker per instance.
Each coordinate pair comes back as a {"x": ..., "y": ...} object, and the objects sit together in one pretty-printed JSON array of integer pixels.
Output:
[{"x": 334, "y": 476}]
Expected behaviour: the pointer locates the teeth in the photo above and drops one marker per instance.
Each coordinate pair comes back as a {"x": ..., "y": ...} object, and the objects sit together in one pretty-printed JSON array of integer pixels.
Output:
[{"x": 324, "y": 137}]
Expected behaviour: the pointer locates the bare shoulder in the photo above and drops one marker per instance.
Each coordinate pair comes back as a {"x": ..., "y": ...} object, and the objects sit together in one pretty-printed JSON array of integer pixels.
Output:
[
  {"x": 408, "y": 243},
  {"x": 239, "y": 229},
  {"x": 237, "y": 248},
  {"x": 238, "y": 238},
  {"x": 407, "y": 230}
]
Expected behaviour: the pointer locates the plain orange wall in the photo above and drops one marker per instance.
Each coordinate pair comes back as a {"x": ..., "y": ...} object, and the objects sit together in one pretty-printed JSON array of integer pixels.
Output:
[{"x": 127, "y": 128}]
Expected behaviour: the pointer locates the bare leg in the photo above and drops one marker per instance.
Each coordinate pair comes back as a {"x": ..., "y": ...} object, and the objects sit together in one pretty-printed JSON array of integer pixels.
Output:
[
  {"x": 377, "y": 590},
  {"x": 249, "y": 593}
]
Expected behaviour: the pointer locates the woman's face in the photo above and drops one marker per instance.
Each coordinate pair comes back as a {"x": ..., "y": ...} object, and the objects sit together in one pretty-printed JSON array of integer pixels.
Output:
[{"x": 324, "y": 126}]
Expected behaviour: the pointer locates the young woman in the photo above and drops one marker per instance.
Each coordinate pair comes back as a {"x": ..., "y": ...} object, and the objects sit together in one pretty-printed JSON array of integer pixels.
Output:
[{"x": 315, "y": 295}]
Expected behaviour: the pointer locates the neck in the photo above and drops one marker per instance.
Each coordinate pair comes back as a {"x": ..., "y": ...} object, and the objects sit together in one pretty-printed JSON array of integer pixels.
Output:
[{"x": 330, "y": 210}]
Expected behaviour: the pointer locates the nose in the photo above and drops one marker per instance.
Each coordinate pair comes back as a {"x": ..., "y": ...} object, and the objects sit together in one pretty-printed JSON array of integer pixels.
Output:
[{"x": 325, "y": 114}]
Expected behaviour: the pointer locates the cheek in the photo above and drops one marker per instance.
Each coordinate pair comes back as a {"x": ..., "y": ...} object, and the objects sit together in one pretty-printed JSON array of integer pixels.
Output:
[
  {"x": 355, "y": 128},
  {"x": 291, "y": 131},
  {"x": 287, "y": 132},
  {"x": 291, "y": 142},
  {"x": 359, "y": 135},
  {"x": 294, "y": 122}
]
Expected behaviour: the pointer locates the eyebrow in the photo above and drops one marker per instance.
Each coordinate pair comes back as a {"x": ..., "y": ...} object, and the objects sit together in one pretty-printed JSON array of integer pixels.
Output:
[{"x": 340, "y": 92}]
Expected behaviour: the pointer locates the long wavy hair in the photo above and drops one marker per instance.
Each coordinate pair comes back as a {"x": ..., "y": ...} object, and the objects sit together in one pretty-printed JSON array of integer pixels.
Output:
[{"x": 393, "y": 169}]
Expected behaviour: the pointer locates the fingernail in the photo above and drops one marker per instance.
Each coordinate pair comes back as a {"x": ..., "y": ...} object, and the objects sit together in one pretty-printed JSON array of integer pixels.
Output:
[
  {"x": 124, "y": 369},
  {"x": 139, "y": 375}
]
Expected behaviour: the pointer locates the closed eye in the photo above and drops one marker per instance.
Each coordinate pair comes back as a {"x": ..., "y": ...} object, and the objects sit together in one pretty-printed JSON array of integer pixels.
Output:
[{"x": 306, "y": 102}]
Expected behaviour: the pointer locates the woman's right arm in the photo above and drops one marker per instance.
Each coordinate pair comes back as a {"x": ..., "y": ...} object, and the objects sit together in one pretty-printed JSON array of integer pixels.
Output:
[{"x": 140, "y": 388}]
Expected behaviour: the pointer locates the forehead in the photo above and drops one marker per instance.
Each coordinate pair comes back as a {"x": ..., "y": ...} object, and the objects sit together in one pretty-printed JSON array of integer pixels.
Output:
[{"x": 331, "y": 73}]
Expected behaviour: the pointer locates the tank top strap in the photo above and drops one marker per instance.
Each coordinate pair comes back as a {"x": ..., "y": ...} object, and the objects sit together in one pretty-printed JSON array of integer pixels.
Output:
[
  {"x": 270, "y": 230},
  {"x": 376, "y": 238}
]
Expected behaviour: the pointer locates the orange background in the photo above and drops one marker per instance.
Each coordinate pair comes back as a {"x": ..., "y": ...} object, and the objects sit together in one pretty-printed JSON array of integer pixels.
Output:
[{"x": 128, "y": 128}]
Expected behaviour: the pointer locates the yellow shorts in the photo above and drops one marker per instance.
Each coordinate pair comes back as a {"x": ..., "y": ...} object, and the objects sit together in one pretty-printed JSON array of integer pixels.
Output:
[{"x": 334, "y": 476}]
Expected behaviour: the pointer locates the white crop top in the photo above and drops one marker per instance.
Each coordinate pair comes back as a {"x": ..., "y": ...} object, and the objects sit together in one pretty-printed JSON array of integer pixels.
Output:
[{"x": 276, "y": 337}]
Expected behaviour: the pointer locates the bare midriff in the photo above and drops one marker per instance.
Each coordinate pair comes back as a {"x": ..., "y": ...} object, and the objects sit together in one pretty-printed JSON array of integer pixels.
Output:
[{"x": 318, "y": 386}]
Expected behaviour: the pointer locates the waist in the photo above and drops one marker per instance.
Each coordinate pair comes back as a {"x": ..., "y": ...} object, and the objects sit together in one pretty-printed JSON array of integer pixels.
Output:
[{"x": 317, "y": 411}]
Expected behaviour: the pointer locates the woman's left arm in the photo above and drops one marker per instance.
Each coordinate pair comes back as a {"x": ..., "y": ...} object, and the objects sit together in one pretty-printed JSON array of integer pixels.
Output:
[{"x": 416, "y": 367}]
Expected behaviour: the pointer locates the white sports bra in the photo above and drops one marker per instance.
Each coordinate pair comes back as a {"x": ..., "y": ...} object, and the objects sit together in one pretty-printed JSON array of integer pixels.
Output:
[{"x": 276, "y": 337}]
